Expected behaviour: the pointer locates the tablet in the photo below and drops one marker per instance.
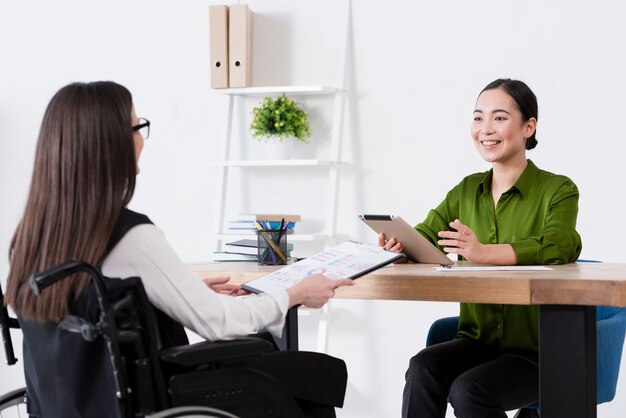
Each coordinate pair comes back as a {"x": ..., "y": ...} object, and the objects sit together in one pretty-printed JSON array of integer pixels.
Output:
[{"x": 417, "y": 248}]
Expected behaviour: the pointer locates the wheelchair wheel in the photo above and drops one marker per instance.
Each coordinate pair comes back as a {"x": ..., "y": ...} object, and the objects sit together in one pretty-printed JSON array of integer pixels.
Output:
[
  {"x": 192, "y": 411},
  {"x": 13, "y": 404}
]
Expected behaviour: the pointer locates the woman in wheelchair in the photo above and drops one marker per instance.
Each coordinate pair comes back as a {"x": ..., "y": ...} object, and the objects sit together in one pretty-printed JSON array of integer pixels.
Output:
[{"x": 83, "y": 178}]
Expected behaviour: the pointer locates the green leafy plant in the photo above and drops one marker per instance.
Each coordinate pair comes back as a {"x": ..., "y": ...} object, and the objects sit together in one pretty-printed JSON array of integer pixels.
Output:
[{"x": 280, "y": 118}]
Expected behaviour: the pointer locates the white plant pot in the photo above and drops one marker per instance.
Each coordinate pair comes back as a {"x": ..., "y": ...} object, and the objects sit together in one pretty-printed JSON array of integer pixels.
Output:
[{"x": 277, "y": 150}]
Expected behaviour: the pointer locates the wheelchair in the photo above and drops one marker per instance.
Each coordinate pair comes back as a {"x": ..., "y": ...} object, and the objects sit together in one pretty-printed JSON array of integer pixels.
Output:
[{"x": 149, "y": 380}]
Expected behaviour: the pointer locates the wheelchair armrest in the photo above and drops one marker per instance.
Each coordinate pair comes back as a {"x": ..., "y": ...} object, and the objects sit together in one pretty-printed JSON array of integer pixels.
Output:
[{"x": 213, "y": 351}]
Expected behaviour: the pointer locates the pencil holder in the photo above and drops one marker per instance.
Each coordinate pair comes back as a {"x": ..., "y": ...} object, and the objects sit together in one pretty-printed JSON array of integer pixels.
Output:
[{"x": 272, "y": 247}]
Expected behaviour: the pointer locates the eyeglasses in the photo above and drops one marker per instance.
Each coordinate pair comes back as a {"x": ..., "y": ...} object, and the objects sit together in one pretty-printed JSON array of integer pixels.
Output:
[{"x": 143, "y": 127}]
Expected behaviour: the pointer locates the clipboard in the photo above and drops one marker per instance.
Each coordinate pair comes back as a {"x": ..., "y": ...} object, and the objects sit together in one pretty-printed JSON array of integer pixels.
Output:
[
  {"x": 417, "y": 248},
  {"x": 348, "y": 260}
]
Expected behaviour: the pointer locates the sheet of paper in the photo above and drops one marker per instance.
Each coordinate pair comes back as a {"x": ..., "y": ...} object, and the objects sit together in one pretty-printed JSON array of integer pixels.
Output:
[
  {"x": 492, "y": 268},
  {"x": 348, "y": 260}
]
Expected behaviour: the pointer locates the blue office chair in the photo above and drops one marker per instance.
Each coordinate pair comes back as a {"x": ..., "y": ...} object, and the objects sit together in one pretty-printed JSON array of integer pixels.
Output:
[{"x": 610, "y": 331}]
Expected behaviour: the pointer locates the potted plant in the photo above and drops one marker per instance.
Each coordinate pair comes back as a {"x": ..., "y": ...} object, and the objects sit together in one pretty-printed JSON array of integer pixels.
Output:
[{"x": 280, "y": 121}]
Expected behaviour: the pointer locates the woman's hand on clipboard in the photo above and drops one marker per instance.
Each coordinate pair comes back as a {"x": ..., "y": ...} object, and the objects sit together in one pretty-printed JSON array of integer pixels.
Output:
[
  {"x": 314, "y": 291},
  {"x": 392, "y": 245}
]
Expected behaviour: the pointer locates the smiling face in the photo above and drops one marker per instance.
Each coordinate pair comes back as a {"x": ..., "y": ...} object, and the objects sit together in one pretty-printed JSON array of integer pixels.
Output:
[{"x": 498, "y": 129}]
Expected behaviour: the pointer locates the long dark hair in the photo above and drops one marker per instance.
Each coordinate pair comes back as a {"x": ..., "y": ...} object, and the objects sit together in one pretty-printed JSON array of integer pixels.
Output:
[
  {"x": 84, "y": 174},
  {"x": 525, "y": 99}
]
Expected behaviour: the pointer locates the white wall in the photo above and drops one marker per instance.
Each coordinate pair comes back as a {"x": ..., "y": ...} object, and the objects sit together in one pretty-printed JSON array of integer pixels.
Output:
[{"x": 413, "y": 72}]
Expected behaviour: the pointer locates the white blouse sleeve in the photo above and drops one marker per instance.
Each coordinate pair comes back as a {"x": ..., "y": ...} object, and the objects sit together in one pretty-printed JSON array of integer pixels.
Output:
[{"x": 175, "y": 290}]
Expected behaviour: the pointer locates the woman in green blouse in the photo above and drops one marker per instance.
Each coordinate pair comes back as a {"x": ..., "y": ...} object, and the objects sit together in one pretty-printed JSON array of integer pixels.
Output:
[{"x": 514, "y": 213}]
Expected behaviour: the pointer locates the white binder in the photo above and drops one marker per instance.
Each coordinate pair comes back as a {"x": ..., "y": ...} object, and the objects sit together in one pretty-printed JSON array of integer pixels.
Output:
[
  {"x": 240, "y": 46},
  {"x": 218, "y": 26}
]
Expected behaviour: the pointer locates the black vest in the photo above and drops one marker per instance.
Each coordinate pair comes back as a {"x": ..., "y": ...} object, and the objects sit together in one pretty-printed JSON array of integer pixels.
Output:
[{"x": 68, "y": 377}]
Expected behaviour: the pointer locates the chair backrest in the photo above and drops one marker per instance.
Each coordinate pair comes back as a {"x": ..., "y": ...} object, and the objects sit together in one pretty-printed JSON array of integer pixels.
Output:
[
  {"x": 442, "y": 330},
  {"x": 610, "y": 332}
]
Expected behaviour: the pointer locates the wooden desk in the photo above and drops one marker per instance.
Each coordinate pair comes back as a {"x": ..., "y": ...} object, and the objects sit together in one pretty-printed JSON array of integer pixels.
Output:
[{"x": 566, "y": 296}]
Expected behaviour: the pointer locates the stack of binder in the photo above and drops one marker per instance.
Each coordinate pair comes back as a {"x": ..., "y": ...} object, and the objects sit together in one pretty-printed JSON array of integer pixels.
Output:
[{"x": 231, "y": 45}]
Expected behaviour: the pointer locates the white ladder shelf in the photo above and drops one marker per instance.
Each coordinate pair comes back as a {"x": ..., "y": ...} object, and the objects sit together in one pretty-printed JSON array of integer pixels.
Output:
[{"x": 332, "y": 163}]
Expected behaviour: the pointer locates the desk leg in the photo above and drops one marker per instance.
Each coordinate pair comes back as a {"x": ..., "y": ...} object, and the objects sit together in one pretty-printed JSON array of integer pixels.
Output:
[
  {"x": 567, "y": 361},
  {"x": 289, "y": 340}
]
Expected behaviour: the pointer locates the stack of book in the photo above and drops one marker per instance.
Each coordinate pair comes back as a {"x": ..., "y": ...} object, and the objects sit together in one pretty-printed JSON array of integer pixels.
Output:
[
  {"x": 242, "y": 250},
  {"x": 223, "y": 256},
  {"x": 245, "y": 223}
]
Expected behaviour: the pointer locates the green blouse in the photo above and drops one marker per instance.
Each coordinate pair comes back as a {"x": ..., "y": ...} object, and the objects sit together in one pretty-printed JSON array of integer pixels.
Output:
[{"x": 537, "y": 216}]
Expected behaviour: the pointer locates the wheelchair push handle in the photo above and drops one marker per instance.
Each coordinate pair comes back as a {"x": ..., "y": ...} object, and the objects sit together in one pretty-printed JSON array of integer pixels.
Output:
[{"x": 43, "y": 279}]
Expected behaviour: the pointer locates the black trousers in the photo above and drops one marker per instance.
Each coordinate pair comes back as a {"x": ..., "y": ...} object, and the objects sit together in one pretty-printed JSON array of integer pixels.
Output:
[
  {"x": 316, "y": 381},
  {"x": 479, "y": 382}
]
